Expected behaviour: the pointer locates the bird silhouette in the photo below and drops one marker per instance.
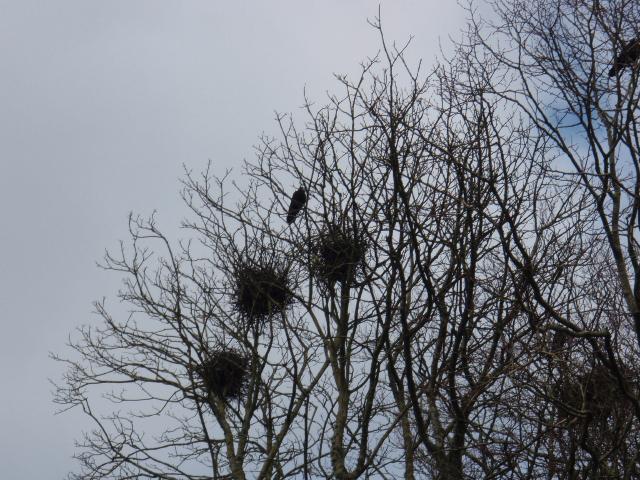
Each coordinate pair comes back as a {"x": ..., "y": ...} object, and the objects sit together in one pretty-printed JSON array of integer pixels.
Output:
[
  {"x": 630, "y": 53},
  {"x": 298, "y": 200}
]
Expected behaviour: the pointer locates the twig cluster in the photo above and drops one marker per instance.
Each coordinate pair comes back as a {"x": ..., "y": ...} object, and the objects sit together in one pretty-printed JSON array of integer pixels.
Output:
[
  {"x": 261, "y": 291},
  {"x": 224, "y": 373},
  {"x": 338, "y": 254}
]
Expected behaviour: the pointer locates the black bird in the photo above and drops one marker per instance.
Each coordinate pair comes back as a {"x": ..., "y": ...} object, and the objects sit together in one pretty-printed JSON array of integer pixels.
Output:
[
  {"x": 298, "y": 200},
  {"x": 630, "y": 53}
]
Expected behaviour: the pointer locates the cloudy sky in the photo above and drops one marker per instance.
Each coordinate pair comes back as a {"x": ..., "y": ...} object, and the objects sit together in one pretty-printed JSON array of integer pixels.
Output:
[{"x": 101, "y": 103}]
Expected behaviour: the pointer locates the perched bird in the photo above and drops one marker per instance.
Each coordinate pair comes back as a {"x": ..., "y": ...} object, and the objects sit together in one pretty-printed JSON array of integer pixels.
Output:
[
  {"x": 558, "y": 342},
  {"x": 298, "y": 200},
  {"x": 630, "y": 53}
]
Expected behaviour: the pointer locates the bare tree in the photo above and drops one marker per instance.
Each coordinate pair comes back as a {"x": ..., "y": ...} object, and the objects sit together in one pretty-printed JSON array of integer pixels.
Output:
[
  {"x": 550, "y": 62},
  {"x": 443, "y": 302}
]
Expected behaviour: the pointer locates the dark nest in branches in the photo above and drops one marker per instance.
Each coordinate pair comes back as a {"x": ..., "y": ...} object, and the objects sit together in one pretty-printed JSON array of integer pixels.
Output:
[
  {"x": 595, "y": 394},
  {"x": 261, "y": 291},
  {"x": 338, "y": 254},
  {"x": 224, "y": 373}
]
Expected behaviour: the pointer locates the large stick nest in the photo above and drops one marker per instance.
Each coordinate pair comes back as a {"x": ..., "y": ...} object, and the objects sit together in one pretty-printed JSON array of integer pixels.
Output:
[
  {"x": 224, "y": 373},
  {"x": 261, "y": 291},
  {"x": 338, "y": 254},
  {"x": 595, "y": 394}
]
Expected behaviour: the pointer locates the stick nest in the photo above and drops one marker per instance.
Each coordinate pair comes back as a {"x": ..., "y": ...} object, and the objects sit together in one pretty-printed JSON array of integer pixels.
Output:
[
  {"x": 224, "y": 373},
  {"x": 261, "y": 291},
  {"x": 596, "y": 394},
  {"x": 338, "y": 254}
]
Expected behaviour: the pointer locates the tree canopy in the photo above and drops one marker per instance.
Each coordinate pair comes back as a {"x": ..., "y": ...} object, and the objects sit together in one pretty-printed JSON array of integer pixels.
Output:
[{"x": 460, "y": 299}]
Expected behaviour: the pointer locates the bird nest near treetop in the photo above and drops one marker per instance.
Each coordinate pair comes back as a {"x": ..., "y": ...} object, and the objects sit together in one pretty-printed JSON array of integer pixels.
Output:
[
  {"x": 224, "y": 373},
  {"x": 338, "y": 254},
  {"x": 261, "y": 291},
  {"x": 596, "y": 393}
]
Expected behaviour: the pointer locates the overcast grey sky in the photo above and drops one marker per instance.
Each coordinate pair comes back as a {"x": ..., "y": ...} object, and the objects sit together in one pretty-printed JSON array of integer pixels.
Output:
[{"x": 101, "y": 102}]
